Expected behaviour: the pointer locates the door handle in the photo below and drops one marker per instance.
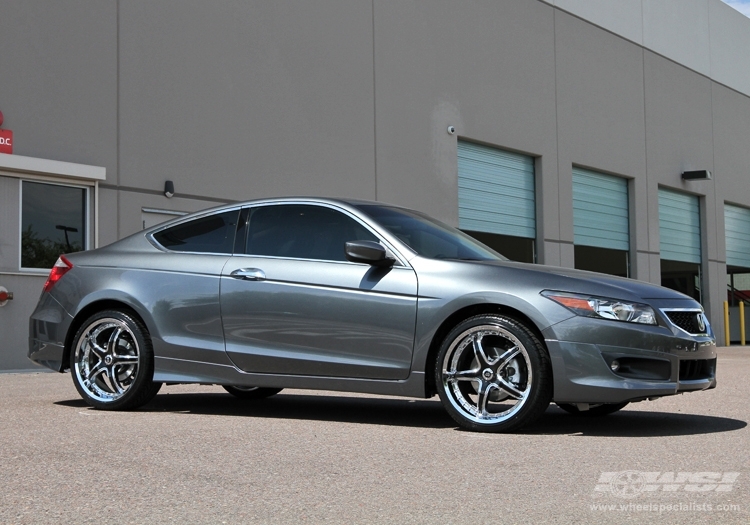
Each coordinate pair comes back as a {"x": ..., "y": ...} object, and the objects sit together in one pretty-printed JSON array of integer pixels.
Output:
[{"x": 249, "y": 274}]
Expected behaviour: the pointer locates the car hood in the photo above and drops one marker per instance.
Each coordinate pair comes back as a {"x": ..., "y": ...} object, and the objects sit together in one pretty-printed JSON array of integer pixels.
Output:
[{"x": 580, "y": 281}]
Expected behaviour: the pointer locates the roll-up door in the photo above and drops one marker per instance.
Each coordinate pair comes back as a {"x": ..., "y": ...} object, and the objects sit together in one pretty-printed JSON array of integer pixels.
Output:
[
  {"x": 495, "y": 191},
  {"x": 679, "y": 226},
  {"x": 600, "y": 210},
  {"x": 737, "y": 232}
]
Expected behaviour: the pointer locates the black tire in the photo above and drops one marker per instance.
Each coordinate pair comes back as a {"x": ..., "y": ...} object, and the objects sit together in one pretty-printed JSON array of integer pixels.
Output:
[
  {"x": 497, "y": 385},
  {"x": 112, "y": 361},
  {"x": 251, "y": 392},
  {"x": 594, "y": 410}
]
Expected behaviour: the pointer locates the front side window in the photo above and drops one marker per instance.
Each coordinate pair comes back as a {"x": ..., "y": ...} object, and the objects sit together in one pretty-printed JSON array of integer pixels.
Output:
[
  {"x": 53, "y": 222},
  {"x": 303, "y": 232},
  {"x": 210, "y": 234}
]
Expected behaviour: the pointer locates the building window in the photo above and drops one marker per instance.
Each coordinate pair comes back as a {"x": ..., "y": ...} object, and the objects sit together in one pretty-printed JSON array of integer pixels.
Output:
[
  {"x": 496, "y": 199},
  {"x": 601, "y": 222},
  {"x": 53, "y": 221}
]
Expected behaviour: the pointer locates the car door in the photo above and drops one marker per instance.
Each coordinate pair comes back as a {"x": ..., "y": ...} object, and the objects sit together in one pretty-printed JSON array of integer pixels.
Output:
[
  {"x": 181, "y": 285},
  {"x": 293, "y": 304}
]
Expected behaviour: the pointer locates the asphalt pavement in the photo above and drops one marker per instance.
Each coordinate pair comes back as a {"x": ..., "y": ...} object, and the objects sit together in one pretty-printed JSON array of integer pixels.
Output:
[{"x": 197, "y": 455}]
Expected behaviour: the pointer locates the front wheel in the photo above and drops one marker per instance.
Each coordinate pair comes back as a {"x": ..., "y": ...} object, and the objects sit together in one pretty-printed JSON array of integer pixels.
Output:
[
  {"x": 493, "y": 374},
  {"x": 251, "y": 392},
  {"x": 112, "y": 361}
]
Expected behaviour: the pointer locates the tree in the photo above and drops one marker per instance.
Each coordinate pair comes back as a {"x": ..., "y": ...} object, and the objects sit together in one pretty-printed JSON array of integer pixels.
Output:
[{"x": 42, "y": 253}]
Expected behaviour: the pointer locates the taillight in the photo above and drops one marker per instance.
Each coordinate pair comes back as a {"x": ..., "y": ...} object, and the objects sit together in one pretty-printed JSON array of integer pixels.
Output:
[{"x": 61, "y": 267}]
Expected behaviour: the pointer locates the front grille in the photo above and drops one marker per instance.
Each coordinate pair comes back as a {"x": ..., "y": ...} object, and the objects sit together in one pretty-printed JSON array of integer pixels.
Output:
[
  {"x": 697, "y": 369},
  {"x": 691, "y": 322}
]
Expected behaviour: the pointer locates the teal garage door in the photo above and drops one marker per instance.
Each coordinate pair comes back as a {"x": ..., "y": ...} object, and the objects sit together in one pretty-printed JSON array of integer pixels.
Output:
[
  {"x": 679, "y": 226},
  {"x": 737, "y": 232},
  {"x": 600, "y": 210},
  {"x": 495, "y": 191}
]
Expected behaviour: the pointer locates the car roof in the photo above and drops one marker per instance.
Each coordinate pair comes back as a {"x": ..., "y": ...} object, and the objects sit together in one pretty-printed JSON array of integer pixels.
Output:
[
  {"x": 325, "y": 200},
  {"x": 342, "y": 202}
]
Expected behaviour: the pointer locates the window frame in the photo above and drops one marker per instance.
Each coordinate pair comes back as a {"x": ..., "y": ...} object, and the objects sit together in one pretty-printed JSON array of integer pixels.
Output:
[
  {"x": 88, "y": 237},
  {"x": 169, "y": 224},
  {"x": 400, "y": 260}
]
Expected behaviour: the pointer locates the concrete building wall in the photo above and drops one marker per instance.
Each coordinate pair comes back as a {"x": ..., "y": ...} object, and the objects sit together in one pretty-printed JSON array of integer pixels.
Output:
[
  {"x": 352, "y": 98},
  {"x": 706, "y": 36},
  {"x": 600, "y": 110},
  {"x": 58, "y": 79},
  {"x": 488, "y": 71},
  {"x": 241, "y": 100}
]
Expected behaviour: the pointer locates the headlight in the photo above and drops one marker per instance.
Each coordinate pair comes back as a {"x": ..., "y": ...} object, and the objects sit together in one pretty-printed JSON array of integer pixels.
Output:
[{"x": 604, "y": 308}]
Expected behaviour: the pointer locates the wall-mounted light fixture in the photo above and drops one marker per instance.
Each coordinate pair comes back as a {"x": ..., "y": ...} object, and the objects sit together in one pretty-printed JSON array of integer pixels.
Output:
[
  {"x": 696, "y": 175},
  {"x": 169, "y": 189}
]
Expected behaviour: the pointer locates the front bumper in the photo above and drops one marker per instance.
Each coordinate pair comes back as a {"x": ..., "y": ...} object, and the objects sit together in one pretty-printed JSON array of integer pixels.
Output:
[{"x": 659, "y": 361}]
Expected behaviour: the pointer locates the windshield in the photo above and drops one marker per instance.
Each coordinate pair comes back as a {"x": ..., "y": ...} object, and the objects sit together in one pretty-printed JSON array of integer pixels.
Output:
[{"x": 429, "y": 237}]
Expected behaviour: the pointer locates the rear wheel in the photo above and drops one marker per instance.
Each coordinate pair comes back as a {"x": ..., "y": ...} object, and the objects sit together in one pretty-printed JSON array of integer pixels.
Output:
[
  {"x": 112, "y": 361},
  {"x": 251, "y": 392},
  {"x": 594, "y": 409},
  {"x": 493, "y": 374}
]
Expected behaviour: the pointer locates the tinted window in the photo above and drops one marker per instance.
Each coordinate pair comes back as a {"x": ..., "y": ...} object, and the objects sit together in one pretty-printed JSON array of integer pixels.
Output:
[
  {"x": 53, "y": 221},
  {"x": 211, "y": 234},
  {"x": 303, "y": 232},
  {"x": 428, "y": 237}
]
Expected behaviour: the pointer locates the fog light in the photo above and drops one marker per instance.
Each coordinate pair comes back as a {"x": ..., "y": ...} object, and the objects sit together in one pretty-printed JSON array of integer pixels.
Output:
[{"x": 615, "y": 366}]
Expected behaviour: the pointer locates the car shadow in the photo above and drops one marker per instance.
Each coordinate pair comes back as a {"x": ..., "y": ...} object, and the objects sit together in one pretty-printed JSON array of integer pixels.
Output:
[
  {"x": 631, "y": 423},
  {"x": 424, "y": 413},
  {"x": 429, "y": 413}
]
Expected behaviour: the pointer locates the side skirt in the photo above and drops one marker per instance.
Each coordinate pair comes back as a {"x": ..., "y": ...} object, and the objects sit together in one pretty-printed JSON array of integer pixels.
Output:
[{"x": 170, "y": 370}]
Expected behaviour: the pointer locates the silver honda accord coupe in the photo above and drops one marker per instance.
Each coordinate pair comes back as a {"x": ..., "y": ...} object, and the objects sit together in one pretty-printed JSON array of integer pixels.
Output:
[{"x": 364, "y": 297}]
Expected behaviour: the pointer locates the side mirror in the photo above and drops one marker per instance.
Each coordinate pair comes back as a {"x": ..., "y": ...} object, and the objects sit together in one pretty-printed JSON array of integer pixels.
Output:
[{"x": 368, "y": 252}]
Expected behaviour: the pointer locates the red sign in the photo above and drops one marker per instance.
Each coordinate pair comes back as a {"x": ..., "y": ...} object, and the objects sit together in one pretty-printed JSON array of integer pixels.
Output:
[{"x": 6, "y": 141}]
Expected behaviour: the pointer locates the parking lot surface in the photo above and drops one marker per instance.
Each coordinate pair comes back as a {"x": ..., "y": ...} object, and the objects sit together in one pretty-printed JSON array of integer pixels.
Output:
[{"x": 197, "y": 455}]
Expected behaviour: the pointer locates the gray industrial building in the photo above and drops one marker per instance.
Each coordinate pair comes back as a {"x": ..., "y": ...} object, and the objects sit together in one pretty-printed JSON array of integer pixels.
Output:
[{"x": 611, "y": 135}]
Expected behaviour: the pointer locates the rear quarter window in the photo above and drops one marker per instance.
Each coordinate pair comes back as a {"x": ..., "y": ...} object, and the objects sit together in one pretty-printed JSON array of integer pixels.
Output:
[{"x": 210, "y": 234}]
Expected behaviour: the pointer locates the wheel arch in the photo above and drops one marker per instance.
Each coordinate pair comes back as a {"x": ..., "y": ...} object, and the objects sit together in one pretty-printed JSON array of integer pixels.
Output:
[
  {"x": 457, "y": 317},
  {"x": 86, "y": 312}
]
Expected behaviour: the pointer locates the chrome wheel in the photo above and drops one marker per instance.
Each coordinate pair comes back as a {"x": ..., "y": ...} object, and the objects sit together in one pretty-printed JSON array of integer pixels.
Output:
[
  {"x": 106, "y": 359},
  {"x": 493, "y": 374},
  {"x": 487, "y": 374},
  {"x": 112, "y": 361}
]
